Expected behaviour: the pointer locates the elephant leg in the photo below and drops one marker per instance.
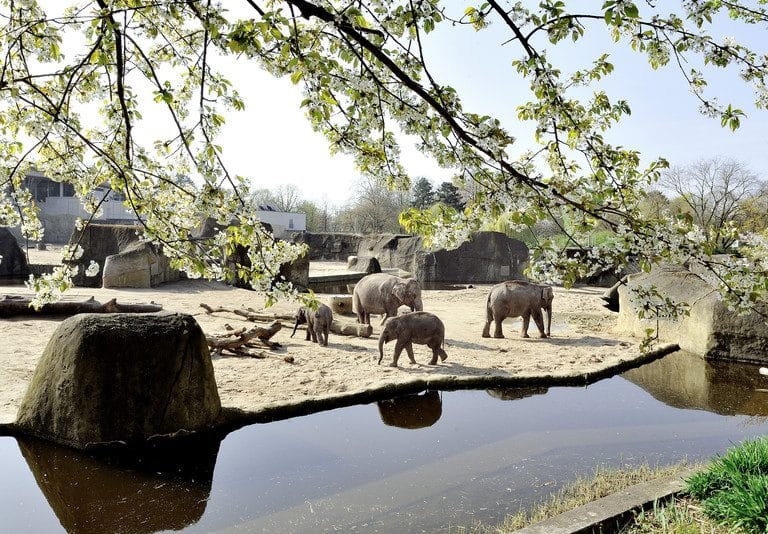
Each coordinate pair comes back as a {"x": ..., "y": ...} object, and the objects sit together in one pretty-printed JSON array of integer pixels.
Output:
[
  {"x": 498, "y": 319},
  {"x": 487, "y": 328},
  {"x": 435, "y": 352},
  {"x": 539, "y": 320},
  {"x": 309, "y": 332},
  {"x": 312, "y": 331},
  {"x": 409, "y": 350},
  {"x": 526, "y": 322},
  {"x": 399, "y": 346},
  {"x": 441, "y": 352},
  {"x": 324, "y": 341}
]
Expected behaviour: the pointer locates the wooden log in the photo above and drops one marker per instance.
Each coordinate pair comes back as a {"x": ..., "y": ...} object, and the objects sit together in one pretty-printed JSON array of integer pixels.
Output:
[
  {"x": 13, "y": 305},
  {"x": 344, "y": 328},
  {"x": 238, "y": 338},
  {"x": 249, "y": 314}
]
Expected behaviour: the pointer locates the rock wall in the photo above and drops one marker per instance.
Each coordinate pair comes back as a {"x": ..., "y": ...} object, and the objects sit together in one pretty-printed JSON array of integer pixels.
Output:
[
  {"x": 487, "y": 258},
  {"x": 131, "y": 262},
  {"x": 329, "y": 246},
  {"x": 711, "y": 330},
  {"x": 13, "y": 261}
]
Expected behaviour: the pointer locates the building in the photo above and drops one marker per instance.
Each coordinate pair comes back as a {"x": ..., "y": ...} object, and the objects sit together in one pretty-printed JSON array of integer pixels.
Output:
[
  {"x": 282, "y": 222},
  {"x": 59, "y": 207}
]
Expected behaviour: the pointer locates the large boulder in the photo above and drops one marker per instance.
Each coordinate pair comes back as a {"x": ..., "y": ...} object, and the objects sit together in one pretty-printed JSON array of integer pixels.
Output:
[
  {"x": 124, "y": 260},
  {"x": 711, "y": 330},
  {"x": 121, "y": 377},
  {"x": 139, "y": 264},
  {"x": 13, "y": 261}
]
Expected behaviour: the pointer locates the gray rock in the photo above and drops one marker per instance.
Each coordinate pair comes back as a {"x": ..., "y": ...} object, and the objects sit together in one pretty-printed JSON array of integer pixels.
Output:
[
  {"x": 138, "y": 265},
  {"x": 121, "y": 378},
  {"x": 13, "y": 264},
  {"x": 99, "y": 241},
  {"x": 711, "y": 330}
]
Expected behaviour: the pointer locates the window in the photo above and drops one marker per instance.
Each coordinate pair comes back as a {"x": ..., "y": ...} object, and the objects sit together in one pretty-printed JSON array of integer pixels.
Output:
[
  {"x": 290, "y": 224},
  {"x": 68, "y": 190}
]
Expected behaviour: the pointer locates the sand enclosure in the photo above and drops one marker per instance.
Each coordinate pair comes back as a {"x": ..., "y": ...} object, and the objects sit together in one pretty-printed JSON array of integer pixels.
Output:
[{"x": 583, "y": 346}]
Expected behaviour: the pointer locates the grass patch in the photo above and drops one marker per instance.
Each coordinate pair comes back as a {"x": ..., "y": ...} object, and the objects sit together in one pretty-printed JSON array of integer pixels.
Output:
[
  {"x": 679, "y": 516},
  {"x": 582, "y": 491},
  {"x": 734, "y": 489}
]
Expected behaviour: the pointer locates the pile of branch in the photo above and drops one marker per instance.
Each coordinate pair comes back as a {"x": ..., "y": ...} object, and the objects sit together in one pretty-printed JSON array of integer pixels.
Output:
[
  {"x": 13, "y": 305},
  {"x": 238, "y": 342}
]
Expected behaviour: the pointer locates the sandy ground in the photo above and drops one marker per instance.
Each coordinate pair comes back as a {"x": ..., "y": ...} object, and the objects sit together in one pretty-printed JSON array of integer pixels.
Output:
[{"x": 582, "y": 344}]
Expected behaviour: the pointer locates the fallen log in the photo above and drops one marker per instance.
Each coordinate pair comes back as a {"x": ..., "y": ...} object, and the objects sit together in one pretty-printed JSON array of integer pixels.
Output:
[
  {"x": 236, "y": 339},
  {"x": 344, "y": 328},
  {"x": 249, "y": 314},
  {"x": 13, "y": 305}
]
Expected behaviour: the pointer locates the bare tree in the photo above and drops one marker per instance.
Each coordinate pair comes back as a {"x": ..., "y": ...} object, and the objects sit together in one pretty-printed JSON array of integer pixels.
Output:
[
  {"x": 712, "y": 191},
  {"x": 287, "y": 197},
  {"x": 374, "y": 209}
]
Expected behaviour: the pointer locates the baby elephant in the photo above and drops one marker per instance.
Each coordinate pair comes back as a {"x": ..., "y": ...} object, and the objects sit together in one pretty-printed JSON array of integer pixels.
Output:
[
  {"x": 318, "y": 323},
  {"x": 419, "y": 327}
]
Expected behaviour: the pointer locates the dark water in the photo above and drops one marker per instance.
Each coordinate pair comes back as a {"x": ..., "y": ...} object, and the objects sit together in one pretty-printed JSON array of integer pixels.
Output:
[{"x": 418, "y": 463}]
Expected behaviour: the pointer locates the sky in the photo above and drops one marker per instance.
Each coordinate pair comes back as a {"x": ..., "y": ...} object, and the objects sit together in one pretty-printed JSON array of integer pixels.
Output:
[{"x": 272, "y": 143}]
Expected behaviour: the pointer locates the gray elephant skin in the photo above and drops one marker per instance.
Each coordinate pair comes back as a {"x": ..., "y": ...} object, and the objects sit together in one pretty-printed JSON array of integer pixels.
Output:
[
  {"x": 318, "y": 323},
  {"x": 517, "y": 298},
  {"x": 384, "y": 293},
  {"x": 422, "y": 328}
]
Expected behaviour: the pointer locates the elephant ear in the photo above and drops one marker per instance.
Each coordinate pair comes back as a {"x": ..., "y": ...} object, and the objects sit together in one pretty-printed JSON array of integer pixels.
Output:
[
  {"x": 547, "y": 294},
  {"x": 398, "y": 290}
]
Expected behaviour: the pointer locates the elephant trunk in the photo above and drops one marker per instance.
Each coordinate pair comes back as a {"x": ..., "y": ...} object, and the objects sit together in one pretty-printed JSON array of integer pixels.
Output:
[
  {"x": 417, "y": 304},
  {"x": 382, "y": 340},
  {"x": 548, "y": 311},
  {"x": 295, "y": 326}
]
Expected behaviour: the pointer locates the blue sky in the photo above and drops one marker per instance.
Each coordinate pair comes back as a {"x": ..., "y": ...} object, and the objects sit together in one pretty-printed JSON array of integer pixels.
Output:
[{"x": 272, "y": 143}]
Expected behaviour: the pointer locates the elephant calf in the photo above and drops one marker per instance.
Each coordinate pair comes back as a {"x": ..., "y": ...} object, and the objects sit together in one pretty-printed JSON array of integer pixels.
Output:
[
  {"x": 518, "y": 298},
  {"x": 318, "y": 323},
  {"x": 420, "y": 327}
]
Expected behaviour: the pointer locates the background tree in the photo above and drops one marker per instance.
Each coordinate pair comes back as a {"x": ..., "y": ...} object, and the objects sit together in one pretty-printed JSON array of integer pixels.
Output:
[
  {"x": 754, "y": 211},
  {"x": 367, "y": 76},
  {"x": 373, "y": 209},
  {"x": 450, "y": 195},
  {"x": 712, "y": 191},
  {"x": 423, "y": 193}
]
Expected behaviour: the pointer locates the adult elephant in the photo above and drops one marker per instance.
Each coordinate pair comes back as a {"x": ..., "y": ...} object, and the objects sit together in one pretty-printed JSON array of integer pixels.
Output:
[
  {"x": 518, "y": 298},
  {"x": 384, "y": 293}
]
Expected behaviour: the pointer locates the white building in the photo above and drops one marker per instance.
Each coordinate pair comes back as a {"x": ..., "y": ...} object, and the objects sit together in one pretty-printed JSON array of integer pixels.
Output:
[
  {"x": 59, "y": 208},
  {"x": 282, "y": 222}
]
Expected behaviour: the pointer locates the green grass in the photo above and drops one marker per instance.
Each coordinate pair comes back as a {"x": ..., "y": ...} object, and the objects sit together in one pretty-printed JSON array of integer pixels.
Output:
[
  {"x": 734, "y": 489},
  {"x": 680, "y": 516}
]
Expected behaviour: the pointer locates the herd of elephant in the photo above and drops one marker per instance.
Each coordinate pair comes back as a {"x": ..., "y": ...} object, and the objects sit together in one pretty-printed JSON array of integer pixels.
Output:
[{"x": 384, "y": 294}]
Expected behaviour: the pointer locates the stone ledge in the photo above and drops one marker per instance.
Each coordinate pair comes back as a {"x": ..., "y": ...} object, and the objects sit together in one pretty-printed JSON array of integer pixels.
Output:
[{"x": 604, "y": 514}]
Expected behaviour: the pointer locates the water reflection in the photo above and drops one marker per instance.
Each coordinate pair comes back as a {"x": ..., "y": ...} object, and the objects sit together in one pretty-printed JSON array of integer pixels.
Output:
[
  {"x": 508, "y": 394},
  {"x": 342, "y": 470},
  {"x": 684, "y": 380},
  {"x": 412, "y": 411},
  {"x": 164, "y": 488}
]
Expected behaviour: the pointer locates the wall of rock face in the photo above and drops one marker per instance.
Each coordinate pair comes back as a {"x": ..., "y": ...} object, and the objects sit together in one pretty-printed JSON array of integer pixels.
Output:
[
  {"x": 329, "y": 246},
  {"x": 124, "y": 261},
  {"x": 13, "y": 261},
  {"x": 711, "y": 330},
  {"x": 488, "y": 257}
]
